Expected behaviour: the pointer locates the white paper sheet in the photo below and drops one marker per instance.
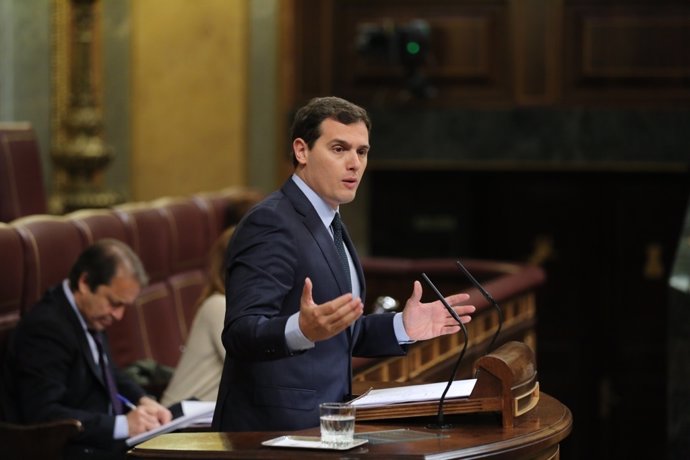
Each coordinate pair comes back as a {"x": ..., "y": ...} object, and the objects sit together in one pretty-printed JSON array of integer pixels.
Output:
[
  {"x": 204, "y": 409},
  {"x": 195, "y": 413},
  {"x": 415, "y": 393}
]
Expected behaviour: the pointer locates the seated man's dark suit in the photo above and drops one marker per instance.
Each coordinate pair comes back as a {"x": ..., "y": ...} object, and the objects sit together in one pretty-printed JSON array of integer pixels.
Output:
[
  {"x": 264, "y": 385},
  {"x": 55, "y": 375}
]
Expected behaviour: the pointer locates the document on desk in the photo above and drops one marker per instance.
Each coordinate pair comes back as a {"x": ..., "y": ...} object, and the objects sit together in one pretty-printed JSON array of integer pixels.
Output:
[
  {"x": 195, "y": 413},
  {"x": 415, "y": 393}
]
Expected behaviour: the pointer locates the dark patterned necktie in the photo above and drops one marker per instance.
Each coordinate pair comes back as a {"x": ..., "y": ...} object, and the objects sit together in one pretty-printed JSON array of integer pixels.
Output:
[
  {"x": 337, "y": 226},
  {"x": 107, "y": 375}
]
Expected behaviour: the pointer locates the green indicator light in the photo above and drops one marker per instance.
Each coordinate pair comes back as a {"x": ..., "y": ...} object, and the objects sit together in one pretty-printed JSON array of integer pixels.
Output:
[{"x": 413, "y": 47}]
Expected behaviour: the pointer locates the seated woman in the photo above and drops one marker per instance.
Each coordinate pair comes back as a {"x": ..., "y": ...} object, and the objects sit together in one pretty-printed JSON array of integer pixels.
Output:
[{"x": 197, "y": 375}]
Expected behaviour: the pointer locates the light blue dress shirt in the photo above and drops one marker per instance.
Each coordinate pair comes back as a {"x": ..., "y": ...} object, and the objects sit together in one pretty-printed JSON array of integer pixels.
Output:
[{"x": 293, "y": 335}]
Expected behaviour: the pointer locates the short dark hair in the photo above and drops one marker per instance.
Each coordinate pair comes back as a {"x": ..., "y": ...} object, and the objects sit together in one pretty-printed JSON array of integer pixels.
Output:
[
  {"x": 307, "y": 122},
  {"x": 100, "y": 262}
]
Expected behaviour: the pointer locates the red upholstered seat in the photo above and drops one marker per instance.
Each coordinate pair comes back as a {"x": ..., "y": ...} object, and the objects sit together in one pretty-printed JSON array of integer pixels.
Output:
[
  {"x": 153, "y": 317},
  {"x": 149, "y": 329},
  {"x": 190, "y": 232},
  {"x": 149, "y": 236},
  {"x": 161, "y": 323},
  {"x": 226, "y": 207},
  {"x": 51, "y": 245},
  {"x": 190, "y": 243},
  {"x": 13, "y": 280},
  {"x": 21, "y": 176},
  {"x": 186, "y": 289},
  {"x": 96, "y": 224}
]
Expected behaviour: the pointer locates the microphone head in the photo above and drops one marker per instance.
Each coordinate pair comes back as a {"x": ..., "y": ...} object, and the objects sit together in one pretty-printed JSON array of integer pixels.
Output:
[
  {"x": 443, "y": 300},
  {"x": 488, "y": 297}
]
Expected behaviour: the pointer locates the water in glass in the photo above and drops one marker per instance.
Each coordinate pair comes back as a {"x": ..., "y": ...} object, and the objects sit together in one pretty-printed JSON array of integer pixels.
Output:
[{"x": 337, "y": 424}]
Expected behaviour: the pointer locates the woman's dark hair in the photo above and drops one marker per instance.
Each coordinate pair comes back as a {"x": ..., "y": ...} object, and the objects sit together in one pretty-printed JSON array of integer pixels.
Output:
[
  {"x": 216, "y": 266},
  {"x": 100, "y": 263},
  {"x": 307, "y": 122}
]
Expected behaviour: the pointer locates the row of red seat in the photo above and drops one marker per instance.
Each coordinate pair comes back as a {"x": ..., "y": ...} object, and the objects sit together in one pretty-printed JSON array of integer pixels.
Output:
[{"x": 172, "y": 236}]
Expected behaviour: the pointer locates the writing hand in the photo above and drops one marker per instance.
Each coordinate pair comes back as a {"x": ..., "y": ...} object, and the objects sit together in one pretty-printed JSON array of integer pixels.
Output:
[
  {"x": 154, "y": 408},
  {"x": 141, "y": 420}
]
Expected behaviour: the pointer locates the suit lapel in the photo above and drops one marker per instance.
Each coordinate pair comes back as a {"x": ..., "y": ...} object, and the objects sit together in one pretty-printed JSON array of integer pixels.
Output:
[
  {"x": 83, "y": 341},
  {"x": 320, "y": 234}
]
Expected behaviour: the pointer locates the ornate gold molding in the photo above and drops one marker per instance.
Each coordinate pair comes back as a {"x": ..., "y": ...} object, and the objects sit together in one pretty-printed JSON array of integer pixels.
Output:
[
  {"x": 79, "y": 153},
  {"x": 61, "y": 11}
]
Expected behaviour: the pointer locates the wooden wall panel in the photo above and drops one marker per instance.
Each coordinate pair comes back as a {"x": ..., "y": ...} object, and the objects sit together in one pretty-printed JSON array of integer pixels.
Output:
[
  {"x": 537, "y": 45},
  {"x": 500, "y": 52},
  {"x": 609, "y": 47},
  {"x": 460, "y": 49},
  {"x": 627, "y": 53},
  {"x": 468, "y": 54}
]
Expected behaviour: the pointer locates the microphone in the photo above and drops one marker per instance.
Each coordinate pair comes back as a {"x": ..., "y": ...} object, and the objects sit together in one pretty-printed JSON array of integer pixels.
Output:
[
  {"x": 488, "y": 297},
  {"x": 439, "y": 418}
]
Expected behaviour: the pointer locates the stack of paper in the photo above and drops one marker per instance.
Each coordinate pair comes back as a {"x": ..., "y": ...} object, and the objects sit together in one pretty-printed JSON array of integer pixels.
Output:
[
  {"x": 415, "y": 393},
  {"x": 197, "y": 413}
]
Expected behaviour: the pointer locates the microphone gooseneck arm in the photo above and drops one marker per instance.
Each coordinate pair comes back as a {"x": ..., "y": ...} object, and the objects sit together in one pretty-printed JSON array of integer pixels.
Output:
[
  {"x": 488, "y": 297},
  {"x": 453, "y": 313}
]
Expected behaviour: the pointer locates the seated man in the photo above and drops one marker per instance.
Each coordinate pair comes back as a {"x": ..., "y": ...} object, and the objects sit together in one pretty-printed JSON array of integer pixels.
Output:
[{"x": 61, "y": 359}]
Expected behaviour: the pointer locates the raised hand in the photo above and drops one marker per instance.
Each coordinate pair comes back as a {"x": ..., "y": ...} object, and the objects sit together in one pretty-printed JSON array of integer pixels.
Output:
[
  {"x": 424, "y": 321},
  {"x": 321, "y": 322}
]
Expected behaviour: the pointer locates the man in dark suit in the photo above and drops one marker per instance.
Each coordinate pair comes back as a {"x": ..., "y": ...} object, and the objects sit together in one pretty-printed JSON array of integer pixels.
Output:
[
  {"x": 61, "y": 361},
  {"x": 294, "y": 311}
]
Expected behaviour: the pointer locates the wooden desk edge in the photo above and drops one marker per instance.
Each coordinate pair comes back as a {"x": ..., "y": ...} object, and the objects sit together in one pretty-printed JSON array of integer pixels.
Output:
[{"x": 525, "y": 445}]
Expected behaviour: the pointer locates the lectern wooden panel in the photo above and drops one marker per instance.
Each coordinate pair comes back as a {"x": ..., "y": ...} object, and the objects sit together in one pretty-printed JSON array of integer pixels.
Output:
[
  {"x": 536, "y": 435},
  {"x": 506, "y": 383}
]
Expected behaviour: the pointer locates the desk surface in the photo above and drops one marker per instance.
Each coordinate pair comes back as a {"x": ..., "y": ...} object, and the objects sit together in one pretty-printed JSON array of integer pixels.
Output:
[{"x": 536, "y": 434}]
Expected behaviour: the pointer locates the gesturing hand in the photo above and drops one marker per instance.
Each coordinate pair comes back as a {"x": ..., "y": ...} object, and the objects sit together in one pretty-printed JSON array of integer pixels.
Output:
[
  {"x": 428, "y": 320},
  {"x": 321, "y": 322}
]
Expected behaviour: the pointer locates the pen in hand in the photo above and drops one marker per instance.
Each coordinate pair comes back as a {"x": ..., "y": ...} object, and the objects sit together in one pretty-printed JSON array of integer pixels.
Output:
[{"x": 126, "y": 402}]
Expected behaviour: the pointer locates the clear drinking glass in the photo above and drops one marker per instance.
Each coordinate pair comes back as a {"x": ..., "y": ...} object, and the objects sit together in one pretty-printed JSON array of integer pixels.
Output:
[{"x": 337, "y": 424}]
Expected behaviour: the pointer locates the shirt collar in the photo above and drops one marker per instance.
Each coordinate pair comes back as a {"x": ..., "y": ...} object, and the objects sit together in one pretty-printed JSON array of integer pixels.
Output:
[
  {"x": 325, "y": 212},
  {"x": 70, "y": 298}
]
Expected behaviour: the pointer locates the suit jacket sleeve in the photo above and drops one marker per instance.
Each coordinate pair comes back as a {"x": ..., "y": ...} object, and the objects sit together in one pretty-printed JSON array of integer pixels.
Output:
[{"x": 261, "y": 273}]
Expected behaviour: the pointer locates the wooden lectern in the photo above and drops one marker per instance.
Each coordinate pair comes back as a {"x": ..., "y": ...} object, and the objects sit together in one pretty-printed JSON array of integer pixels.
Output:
[{"x": 506, "y": 383}]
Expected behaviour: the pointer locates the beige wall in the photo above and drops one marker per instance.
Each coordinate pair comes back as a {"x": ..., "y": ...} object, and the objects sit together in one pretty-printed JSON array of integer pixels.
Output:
[{"x": 188, "y": 97}]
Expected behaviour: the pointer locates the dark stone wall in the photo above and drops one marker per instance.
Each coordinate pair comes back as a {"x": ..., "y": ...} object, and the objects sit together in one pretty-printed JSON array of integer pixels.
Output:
[{"x": 549, "y": 135}]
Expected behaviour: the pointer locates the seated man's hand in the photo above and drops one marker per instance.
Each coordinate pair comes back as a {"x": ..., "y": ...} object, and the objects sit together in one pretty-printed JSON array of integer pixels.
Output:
[
  {"x": 140, "y": 420},
  {"x": 154, "y": 408}
]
